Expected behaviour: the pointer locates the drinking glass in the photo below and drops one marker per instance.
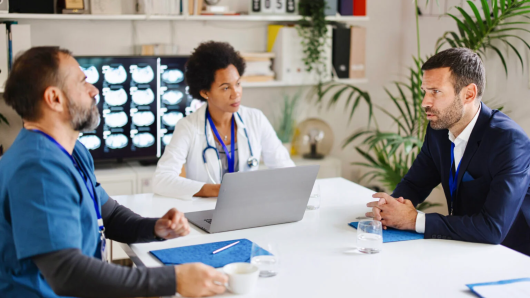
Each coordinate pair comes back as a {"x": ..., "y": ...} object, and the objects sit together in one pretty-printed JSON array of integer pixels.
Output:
[
  {"x": 266, "y": 257},
  {"x": 369, "y": 236},
  {"x": 314, "y": 199}
]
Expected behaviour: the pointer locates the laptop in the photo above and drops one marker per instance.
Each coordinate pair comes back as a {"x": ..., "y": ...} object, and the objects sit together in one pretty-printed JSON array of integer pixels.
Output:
[{"x": 258, "y": 198}]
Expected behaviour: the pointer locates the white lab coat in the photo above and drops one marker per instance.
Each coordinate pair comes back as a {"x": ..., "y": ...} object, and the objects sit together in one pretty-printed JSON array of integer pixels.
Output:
[{"x": 188, "y": 143}]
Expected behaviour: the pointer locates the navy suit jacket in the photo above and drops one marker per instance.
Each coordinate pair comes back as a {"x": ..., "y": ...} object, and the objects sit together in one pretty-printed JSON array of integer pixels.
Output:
[{"x": 492, "y": 203}]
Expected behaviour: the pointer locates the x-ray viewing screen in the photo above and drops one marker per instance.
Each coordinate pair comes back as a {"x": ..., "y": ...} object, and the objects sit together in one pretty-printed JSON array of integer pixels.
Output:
[
  {"x": 140, "y": 101},
  {"x": 175, "y": 102}
]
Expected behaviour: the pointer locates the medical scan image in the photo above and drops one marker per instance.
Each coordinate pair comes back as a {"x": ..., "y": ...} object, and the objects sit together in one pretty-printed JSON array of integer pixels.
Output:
[
  {"x": 143, "y": 75},
  {"x": 115, "y": 97},
  {"x": 116, "y": 141},
  {"x": 143, "y": 140},
  {"x": 172, "y": 97},
  {"x": 117, "y": 119},
  {"x": 96, "y": 98},
  {"x": 143, "y": 118},
  {"x": 116, "y": 74},
  {"x": 91, "y": 73},
  {"x": 91, "y": 142},
  {"x": 171, "y": 119},
  {"x": 172, "y": 76},
  {"x": 166, "y": 139},
  {"x": 143, "y": 97}
]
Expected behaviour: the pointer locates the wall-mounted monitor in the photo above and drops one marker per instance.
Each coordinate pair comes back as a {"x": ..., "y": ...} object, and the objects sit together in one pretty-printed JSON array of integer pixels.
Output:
[{"x": 140, "y": 101}]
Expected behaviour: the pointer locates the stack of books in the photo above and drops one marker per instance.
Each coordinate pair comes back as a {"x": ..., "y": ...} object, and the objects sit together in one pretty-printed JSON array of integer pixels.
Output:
[{"x": 259, "y": 67}]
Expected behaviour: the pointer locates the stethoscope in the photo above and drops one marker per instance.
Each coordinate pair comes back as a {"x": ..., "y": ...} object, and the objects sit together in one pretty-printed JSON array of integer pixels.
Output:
[{"x": 252, "y": 162}]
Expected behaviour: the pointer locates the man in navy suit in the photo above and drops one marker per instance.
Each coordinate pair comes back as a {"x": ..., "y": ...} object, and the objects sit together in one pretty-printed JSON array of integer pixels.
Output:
[{"x": 480, "y": 156}]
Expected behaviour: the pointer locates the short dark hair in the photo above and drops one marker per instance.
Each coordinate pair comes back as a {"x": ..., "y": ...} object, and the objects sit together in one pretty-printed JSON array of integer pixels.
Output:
[
  {"x": 33, "y": 71},
  {"x": 465, "y": 65},
  {"x": 208, "y": 58}
]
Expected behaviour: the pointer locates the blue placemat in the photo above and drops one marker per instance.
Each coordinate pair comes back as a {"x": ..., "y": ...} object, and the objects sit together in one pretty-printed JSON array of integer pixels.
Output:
[
  {"x": 393, "y": 235},
  {"x": 203, "y": 253}
]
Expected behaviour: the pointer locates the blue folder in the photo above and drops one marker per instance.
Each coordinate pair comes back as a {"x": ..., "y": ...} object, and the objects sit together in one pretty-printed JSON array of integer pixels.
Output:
[
  {"x": 393, "y": 235},
  {"x": 203, "y": 253}
]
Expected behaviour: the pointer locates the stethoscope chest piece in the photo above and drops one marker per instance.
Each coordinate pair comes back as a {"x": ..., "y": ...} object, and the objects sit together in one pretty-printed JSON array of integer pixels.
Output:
[{"x": 252, "y": 162}]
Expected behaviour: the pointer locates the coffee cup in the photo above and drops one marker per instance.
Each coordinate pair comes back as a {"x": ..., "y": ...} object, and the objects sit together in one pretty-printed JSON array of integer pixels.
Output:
[{"x": 242, "y": 277}]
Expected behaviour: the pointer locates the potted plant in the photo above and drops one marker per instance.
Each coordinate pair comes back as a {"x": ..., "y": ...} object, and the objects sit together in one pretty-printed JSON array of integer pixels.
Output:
[
  {"x": 389, "y": 155},
  {"x": 286, "y": 119}
]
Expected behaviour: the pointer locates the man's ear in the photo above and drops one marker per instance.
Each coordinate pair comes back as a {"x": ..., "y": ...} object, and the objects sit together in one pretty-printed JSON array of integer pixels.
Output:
[
  {"x": 54, "y": 99},
  {"x": 470, "y": 93}
]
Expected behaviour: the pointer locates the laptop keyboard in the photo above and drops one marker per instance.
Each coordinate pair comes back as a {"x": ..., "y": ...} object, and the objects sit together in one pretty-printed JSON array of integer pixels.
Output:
[{"x": 209, "y": 220}]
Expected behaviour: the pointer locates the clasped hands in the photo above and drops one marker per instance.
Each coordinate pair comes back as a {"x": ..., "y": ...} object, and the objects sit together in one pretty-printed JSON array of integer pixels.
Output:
[
  {"x": 395, "y": 213},
  {"x": 172, "y": 225}
]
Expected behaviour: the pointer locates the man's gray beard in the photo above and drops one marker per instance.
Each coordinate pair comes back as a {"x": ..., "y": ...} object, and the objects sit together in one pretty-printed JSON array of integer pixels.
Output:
[
  {"x": 83, "y": 119},
  {"x": 449, "y": 117}
]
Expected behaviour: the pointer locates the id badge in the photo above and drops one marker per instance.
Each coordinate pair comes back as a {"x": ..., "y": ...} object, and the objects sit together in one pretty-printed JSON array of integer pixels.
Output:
[{"x": 103, "y": 247}]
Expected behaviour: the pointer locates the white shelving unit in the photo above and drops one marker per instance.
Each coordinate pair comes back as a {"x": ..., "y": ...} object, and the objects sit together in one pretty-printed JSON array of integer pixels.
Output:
[
  {"x": 143, "y": 17},
  {"x": 216, "y": 18},
  {"x": 286, "y": 84}
]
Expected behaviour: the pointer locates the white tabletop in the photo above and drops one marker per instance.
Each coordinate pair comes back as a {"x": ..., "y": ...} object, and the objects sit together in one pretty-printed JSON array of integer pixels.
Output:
[{"x": 318, "y": 258}]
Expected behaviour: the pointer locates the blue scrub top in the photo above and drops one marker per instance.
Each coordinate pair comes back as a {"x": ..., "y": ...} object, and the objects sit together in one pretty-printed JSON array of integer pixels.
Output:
[{"x": 44, "y": 207}]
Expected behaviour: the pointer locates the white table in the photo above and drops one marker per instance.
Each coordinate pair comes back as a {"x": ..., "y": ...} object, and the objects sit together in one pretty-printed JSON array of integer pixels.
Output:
[{"x": 319, "y": 260}]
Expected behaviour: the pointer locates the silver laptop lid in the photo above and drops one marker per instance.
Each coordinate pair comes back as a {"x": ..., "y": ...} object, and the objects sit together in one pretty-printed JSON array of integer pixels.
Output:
[{"x": 261, "y": 198}]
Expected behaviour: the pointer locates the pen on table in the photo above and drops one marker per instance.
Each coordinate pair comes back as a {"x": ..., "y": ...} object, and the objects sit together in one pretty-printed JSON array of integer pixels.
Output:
[
  {"x": 223, "y": 248},
  {"x": 363, "y": 217}
]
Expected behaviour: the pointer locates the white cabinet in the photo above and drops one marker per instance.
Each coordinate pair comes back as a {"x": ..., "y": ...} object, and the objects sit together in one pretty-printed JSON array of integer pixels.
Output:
[
  {"x": 330, "y": 167},
  {"x": 116, "y": 179}
]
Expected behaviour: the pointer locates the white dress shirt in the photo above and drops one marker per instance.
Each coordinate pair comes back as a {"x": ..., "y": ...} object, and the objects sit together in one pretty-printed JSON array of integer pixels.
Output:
[{"x": 460, "y": 147}]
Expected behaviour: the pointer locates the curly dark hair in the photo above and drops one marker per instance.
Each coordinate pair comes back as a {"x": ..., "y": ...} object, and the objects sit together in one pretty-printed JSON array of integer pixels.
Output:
[{"x": 208, "y": 58}]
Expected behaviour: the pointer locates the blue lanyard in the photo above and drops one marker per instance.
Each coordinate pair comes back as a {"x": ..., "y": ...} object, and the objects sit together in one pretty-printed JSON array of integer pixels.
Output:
[
  {"x": 229, "y": 156},
  {"x": 453, "y": 179},
  {"x": 86, "y": 178}
]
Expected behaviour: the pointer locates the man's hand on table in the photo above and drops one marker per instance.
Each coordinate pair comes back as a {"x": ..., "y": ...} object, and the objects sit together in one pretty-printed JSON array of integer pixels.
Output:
[
  {"x": 395, "y": 213},
  {"x": 199, "y": 280},
  {"x": 172, "y": 225}
]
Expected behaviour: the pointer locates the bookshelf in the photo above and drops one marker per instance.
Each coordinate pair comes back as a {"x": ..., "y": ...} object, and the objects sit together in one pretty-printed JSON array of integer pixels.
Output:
[
  {"x": 286, "y": 84},
  {"x": 142, "y": 17}
]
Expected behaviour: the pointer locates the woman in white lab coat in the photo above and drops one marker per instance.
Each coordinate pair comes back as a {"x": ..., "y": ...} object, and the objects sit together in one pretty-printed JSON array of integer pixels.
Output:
[{"x": 201, "y": 140}]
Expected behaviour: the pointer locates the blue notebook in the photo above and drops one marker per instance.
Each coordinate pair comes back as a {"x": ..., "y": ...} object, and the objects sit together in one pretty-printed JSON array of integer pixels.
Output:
[
  {"x": 203, "y": 253},
  {"x": 393, "y": 235}
]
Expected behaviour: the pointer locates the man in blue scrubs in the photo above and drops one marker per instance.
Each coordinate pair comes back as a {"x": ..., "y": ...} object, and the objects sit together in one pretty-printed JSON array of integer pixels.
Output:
[{"x": 54, "y": 215}]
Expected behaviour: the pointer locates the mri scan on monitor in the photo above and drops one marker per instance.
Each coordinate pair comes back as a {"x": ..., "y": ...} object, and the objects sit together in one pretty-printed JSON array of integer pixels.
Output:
[
  {"x": 143, "y": 97},
  {"x": 171, "y": 119},
  {"x": 117, "y": 119},
  {"x": 116, "y": 141},
  {"x": 115, "y": 97},
  {"x": 91, "y": 73},
  {"x": 143, "y": 140},
  {"x": 166, "y": 139},
  {"x": 142, "y": 74},
  {"x": 91, "y": 142},
  {"x": 115, "y": 74},
  {"x": 172, "y": 76},
  {"x": 140, "y": 100},
  {"x": 143, "y": 118}
]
